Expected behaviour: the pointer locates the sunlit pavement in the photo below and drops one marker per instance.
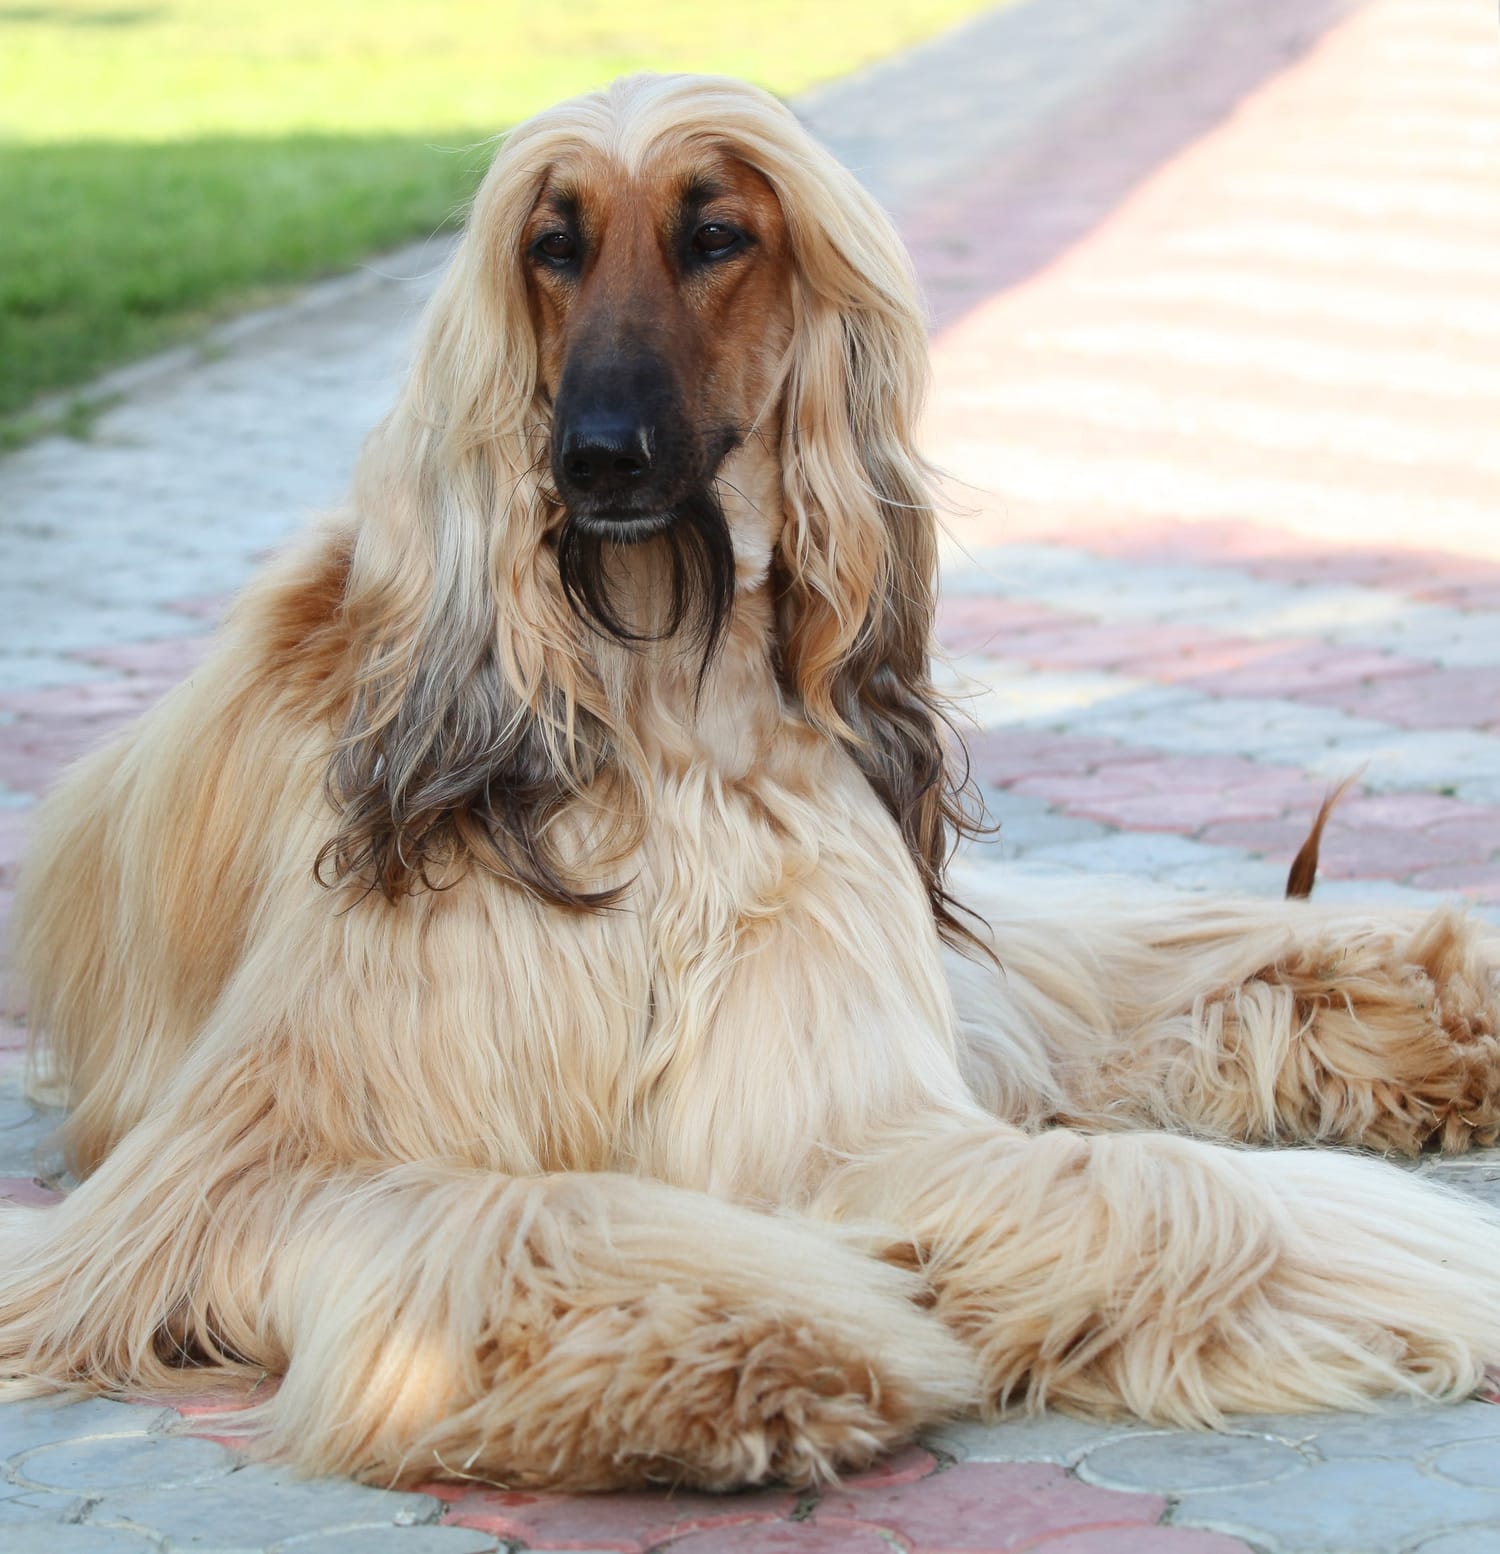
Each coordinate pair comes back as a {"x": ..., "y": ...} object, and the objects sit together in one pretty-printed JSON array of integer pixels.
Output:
[{"x": 1217, "y": 339}]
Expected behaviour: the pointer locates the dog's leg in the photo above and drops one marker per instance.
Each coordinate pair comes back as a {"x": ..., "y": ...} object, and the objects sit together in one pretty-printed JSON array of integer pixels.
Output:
[
  {"x": 1179, "y": 1280},
  {"x": 580, "y": 1331},
  {"x": 1263, "y": 1021}
]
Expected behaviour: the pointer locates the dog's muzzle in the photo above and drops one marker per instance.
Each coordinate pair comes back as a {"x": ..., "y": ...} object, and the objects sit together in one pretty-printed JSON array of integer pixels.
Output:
[{"x": 623, "y": 455}]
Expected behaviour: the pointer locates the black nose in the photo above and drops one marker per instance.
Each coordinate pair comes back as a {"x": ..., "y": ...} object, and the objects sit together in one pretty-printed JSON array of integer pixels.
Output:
[{"x": 606, "y": 454}]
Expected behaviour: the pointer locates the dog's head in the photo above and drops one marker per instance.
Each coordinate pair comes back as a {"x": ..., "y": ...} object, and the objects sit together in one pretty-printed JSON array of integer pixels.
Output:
[
  {"x": 661, "y": 294},
  {"x": 667, "y": 291}
]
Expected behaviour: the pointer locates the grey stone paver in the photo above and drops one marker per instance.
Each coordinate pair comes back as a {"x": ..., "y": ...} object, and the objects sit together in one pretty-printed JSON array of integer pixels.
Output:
[
  {"x": 390, "y": 1540},
  {"x": 1476, "y": 1463},
  {"x": 52, "y": 1538},
  {"x": 1399, "y": 1431},
  {"x": 1288, "y": 1483},
  {"x": 101, "y": 1463},
  {"x": 1477, "y": 1538},
  {"x": 18, "y": 1150},
  {"x": 42, "y": 1421},
  {"x": 1048, "y": 1437},
  {"x": 1478, "y": 1175},
  {"x": 1031, "y": 825},
  {"x": 14, "y": 1113},
  {"x": 258, "y": 1505},
  {"x": 1168, "y": 1463},
  {"x": 1353, "y": 1506},
  {"x": 100, "y": 1466}
]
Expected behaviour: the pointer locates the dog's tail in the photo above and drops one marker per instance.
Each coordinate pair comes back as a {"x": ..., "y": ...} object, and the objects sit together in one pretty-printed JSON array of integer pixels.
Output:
[{"x": 1304, "y": 871}]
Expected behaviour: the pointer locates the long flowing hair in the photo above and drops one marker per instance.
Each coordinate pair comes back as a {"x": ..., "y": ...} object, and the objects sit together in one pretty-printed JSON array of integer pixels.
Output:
[{"x": 479, "y": 718}]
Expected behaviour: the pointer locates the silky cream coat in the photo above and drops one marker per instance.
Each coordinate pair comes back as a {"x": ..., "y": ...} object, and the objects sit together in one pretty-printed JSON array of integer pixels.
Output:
[{"x": 744, "y": 1174}]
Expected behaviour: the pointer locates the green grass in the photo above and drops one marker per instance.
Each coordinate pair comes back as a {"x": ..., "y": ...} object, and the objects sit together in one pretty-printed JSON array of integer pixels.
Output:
[{"x": 162, "y": 165}]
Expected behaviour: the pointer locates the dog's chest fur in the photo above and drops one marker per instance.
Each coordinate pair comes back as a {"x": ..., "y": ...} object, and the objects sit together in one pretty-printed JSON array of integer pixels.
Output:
[{"x": 774, "y": 932}]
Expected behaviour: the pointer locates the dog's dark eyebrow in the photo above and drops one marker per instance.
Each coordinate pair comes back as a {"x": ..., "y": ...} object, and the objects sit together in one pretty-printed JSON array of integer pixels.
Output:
[
  {"x": 562, "y": 202},
  {"x": 699, "y": 189}
]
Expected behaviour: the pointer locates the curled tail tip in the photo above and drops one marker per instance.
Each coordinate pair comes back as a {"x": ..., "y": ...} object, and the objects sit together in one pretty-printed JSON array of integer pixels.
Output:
[{"x": 1303, "y": 873}]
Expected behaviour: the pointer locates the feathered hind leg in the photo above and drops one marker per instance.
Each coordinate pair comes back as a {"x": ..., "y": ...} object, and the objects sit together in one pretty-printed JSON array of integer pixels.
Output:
[
  {"x": 1177, "y": 1280},
  {"x": 578, "y": 1331},
  {"x": 1240, "y": 1019}
]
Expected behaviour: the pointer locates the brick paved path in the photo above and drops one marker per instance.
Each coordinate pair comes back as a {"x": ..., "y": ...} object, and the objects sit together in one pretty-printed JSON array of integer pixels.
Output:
[
  {"x": 1214, "y": 286},
  {"x": 1237, "y": 471}
]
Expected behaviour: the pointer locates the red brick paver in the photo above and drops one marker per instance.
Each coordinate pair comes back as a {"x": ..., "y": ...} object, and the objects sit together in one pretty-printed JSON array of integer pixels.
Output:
[
  {"x": 630, "y": 1523},
  {"x": 26, "y": 1191},
  {"x": 973, "y": 1508}
]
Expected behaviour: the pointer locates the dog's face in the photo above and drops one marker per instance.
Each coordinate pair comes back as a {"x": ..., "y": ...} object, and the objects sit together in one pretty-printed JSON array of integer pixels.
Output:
[
  {"x": 662, "y": 305},
  {"x": 717, "y": 333}
]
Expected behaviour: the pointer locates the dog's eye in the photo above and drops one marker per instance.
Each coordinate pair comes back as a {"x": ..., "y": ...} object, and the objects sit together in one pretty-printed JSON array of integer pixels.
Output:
[
  {"x": 556, "y": 246},
  {"x": 714, "y": 238}
]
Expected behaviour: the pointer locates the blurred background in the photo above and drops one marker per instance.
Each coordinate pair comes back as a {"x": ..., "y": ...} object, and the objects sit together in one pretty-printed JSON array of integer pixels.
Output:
[{"x": 165, "y": 164}]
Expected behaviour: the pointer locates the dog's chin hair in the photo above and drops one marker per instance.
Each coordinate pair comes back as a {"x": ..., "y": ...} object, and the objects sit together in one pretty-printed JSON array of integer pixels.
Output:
[
  {"x": 699, "y": 554},
  {"x": 629, "y": 530}
]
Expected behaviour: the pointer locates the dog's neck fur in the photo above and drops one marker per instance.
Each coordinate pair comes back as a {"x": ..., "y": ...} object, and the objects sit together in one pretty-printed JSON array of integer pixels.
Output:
[{"x": 654, "y": 688}]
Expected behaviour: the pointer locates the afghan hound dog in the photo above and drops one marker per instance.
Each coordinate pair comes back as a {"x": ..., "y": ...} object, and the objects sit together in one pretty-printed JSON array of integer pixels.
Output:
[{"x": 512, "y": 993}]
